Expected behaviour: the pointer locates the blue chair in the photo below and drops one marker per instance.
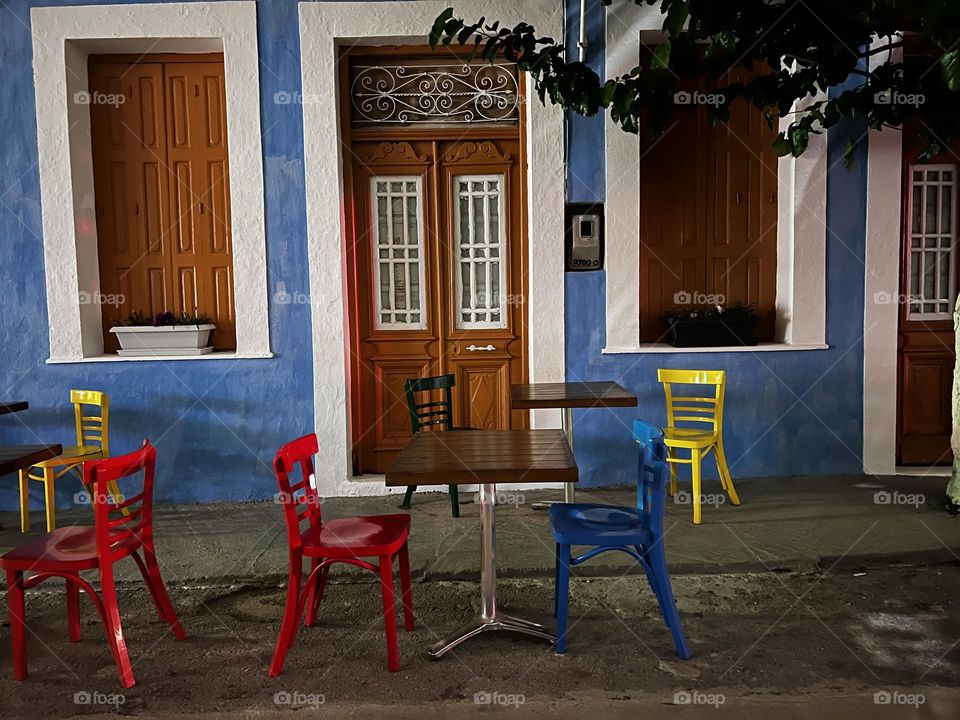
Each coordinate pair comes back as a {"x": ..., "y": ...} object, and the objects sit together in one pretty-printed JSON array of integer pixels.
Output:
[{"x": 635, "y": 531}]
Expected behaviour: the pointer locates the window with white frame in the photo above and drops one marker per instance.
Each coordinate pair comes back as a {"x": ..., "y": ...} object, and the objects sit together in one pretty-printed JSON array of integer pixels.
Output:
[
  {"x": 479, "y": 236},
  {"x": 932, "y": 231},
  {"x": 398, "y": 252}
]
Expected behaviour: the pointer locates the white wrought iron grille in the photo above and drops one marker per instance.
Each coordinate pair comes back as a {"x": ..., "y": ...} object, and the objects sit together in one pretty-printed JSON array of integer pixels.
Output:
[
  {"x": 398, "y": 252},
  {"x": 411, "y": 93},
  {"x": 932, "y": 239},
  {"x": 479, "y": 229}
]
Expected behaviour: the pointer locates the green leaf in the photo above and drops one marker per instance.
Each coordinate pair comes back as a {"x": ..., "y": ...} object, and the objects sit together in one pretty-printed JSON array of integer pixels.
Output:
[
  {"x": 782, "y": 146},
  {"x": 438, "y": 26},
  {"x": 950, "y": 64},
  {"x": 676, "y": 18},
  {"x": 661, "y": 56}
]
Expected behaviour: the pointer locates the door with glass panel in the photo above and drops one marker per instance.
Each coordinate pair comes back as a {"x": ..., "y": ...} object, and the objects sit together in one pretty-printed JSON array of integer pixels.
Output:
[
  {"x": 928, "y": 296},
  {"x": 439, "y": 283}
]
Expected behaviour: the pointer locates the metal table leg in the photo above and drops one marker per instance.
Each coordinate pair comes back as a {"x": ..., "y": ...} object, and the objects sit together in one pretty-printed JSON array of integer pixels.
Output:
[{"x": 489, "y": 619}]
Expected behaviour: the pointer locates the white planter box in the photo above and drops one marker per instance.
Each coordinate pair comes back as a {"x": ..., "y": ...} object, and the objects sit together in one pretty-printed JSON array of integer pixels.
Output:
[{"x": 141, "y": 341}]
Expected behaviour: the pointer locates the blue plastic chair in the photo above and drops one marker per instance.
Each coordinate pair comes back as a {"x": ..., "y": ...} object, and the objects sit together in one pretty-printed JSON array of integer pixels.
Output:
[{"x": 635, "y": 531}]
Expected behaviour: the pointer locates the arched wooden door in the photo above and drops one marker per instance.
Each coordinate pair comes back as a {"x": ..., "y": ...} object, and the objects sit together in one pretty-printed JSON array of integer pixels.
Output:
[{"x": 438, "y": 269}]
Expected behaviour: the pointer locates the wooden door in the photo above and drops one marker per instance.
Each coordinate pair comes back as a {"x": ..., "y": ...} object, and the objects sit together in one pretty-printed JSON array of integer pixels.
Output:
[
  {"x": 439, "y": 282},
  {"x": 927, "y": 299}
]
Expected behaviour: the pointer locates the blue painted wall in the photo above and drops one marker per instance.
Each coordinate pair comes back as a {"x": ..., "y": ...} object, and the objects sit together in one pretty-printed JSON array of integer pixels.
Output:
[
  {"x": 216, "y": 423},
  {"x": 787, "y": 413}
]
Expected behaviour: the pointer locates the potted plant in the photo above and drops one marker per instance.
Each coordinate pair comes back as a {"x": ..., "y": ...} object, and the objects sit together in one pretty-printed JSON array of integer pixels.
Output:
[
  {"x": 712, "y": 327},
  {"x": 164, "y": 334}
]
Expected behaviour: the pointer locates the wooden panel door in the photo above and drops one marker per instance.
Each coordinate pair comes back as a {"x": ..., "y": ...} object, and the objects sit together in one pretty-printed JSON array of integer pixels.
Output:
[
  {"x": 201, "y": 249},
  {"x": 928, "y": 296},
  {"x": 132, "y": 190},
  {"x": 438, "y": 254}
]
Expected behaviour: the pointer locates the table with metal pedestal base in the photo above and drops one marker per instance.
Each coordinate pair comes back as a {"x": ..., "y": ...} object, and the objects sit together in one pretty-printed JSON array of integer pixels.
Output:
[
  {"x": 486, "y": 457},
  {"x": 567, "y": 396}
]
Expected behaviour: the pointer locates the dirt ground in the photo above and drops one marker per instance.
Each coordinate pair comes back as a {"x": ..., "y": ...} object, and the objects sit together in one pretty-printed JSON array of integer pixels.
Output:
[{"x": 883, "y": 643}]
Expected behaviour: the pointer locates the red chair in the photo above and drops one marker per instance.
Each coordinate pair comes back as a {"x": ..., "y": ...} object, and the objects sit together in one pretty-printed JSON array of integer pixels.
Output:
[
  {"x": 68, "y": 551},
  {"x": 344, "y": 540}
]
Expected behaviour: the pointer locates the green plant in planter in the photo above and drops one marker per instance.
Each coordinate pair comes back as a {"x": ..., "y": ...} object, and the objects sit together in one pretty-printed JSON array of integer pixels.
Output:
[{"x": 138, "y": 319}]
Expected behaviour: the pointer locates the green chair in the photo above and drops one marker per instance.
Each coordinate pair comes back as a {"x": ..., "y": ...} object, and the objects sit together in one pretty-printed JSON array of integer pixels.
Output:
[{"x": 427, "y": 414}]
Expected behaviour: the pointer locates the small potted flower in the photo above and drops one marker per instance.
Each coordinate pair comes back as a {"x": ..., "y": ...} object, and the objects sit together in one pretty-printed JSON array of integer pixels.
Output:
[
  {"x": 164, "y": 334},
  {"x": 712, "y": 327}
]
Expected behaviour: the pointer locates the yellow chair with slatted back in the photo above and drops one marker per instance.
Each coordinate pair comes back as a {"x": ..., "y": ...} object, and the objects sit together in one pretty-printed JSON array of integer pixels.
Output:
[
  {"x": 91, "y": 411},
  {"x": 695, "y": 423}
]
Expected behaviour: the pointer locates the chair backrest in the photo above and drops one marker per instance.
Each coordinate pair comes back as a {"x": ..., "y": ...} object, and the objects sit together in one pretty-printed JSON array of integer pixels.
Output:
[
  {"x": 298, "y": 497},
  {"x": 652, "y": 474},
  {"x": 91, "y": 412},
  {"x": 432, "y": 413},
  {"x": 685, "y": 409},
  {"x": 123, "y": 523}
]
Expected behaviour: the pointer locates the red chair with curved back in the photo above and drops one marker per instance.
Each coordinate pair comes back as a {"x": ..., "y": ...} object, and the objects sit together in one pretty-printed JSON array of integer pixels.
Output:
[
  {"x": 122, "y": 527},
  {"x": 344, "y": 540}
]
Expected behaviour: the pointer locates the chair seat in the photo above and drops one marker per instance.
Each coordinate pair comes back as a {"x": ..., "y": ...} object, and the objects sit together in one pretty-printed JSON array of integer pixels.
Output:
[
  {"x": 357, "y": 536},
  {"x": 583, "y": 524},
  {"x": 67, "y": 548},
  {"x": 71, "y": 455},
  {"x": 688, "y": 437}
]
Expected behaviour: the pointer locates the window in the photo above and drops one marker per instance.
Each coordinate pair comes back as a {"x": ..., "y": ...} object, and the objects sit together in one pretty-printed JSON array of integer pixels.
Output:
[
  {"x": 161, "y": 179},
  {"x": 933, "y": 214},
  {"x": 708, "y": 216},
  {"x": 479, "y": 240}
]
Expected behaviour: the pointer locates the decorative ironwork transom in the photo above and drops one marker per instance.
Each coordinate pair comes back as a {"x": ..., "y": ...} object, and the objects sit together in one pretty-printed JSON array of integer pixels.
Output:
[{"x": 418, "y": 94}]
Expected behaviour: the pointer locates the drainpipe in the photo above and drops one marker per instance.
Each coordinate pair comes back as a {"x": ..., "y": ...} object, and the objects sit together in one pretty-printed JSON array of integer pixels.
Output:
[{"x": 582, "y": 44}]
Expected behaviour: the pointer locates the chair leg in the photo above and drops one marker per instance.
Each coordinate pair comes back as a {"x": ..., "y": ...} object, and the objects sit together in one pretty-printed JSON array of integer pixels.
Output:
[
  {"x": 406, "y": 596},
  {"x": 18, "y": 620},
  {"x": 73, "y": 611},
  {"x": 389, "y": 613},
  {"x": 316, "y": 592},
  {"x": 724, "y": 471},
  {"x": 291, "y": 615},
  {"x": 50, "y": 499},
  {"x": 454, "y": 501},
  {"x": 556, "y": 582},
  {"x": 695, "y": 491},
  {"x": 407, "y": 495},
  {"x": 24, "y": 501},
  {"x": 673, "y": 472},
  {"x": 563, "y": 595},
  {"x": 159, "y": 591},
  {"x": 114, "y": 628},
  {"x": 657, "y": 561}
]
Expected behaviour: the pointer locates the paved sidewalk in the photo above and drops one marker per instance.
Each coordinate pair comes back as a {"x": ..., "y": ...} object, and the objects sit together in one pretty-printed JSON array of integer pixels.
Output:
[{"x": 784, "y": 524}]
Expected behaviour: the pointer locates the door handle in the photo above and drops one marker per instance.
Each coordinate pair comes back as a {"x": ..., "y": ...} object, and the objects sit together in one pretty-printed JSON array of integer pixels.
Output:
[{"x": 475, "y": 348}]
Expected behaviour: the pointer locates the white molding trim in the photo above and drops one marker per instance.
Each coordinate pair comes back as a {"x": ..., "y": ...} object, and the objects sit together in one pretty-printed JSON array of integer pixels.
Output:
[
  {"x": 801, "y": 232},
  {"x": 63, "y": 37},
  {"x": 322, "y": 26},
  {"x": 881, "y": 282}
]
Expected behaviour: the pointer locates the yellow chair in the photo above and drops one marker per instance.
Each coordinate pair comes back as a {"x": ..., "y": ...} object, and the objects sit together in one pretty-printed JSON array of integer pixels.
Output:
[
  {"x": 91, "y": 410},
  {"x": 695, "y": 423}
]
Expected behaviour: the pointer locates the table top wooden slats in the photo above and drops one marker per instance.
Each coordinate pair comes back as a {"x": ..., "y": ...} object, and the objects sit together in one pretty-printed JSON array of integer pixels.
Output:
[
  {"x": 12, "y": 407},
  {"x": 484, "y": 456},
  {"x": 15, "y": 457},
  {"x": 538, "y": 396}
]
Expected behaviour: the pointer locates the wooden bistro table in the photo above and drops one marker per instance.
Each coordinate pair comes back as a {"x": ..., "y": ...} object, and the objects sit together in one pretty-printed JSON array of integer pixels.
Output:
[
  {"x": 485, "y": 457},
  {"x": 16, "y": 457},
  {"x": 569, "y": 395},
  {"x": 11, "y": 407}
]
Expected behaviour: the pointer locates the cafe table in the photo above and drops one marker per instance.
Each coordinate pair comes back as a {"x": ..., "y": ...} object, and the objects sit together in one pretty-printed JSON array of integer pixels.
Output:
[
  {"x": 485, "y": 458},
  {"x": 11, "y": 407},
  {"x": 569, "y": 395},
  {"x": 15, "y": 457}
]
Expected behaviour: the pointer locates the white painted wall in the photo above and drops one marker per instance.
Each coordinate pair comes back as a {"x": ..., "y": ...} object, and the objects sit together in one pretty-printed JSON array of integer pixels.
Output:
[{"x": 322, "y": 27}]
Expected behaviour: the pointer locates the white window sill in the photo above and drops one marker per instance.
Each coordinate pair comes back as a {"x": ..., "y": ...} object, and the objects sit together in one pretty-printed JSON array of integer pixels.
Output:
[
  {"x": 664, "y": 349},
  {"x": 161, "y": 358}
]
